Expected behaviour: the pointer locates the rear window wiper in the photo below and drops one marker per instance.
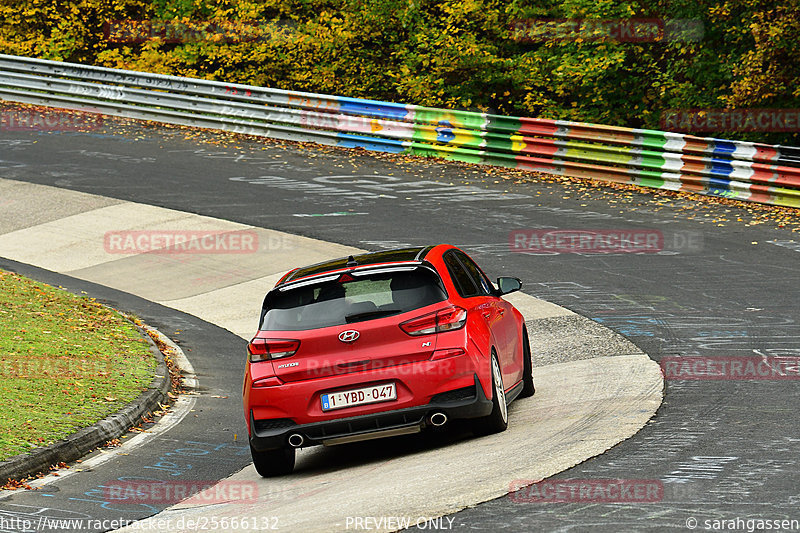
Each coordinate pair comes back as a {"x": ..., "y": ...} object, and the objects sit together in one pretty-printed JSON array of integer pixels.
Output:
[{"x": 358, "y": 317}]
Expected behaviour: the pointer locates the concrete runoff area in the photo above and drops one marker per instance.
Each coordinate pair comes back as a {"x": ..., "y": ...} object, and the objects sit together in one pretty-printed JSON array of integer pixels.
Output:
[
  {"x": 586, "y": 401},
  {"x": 581, "y": 408}
]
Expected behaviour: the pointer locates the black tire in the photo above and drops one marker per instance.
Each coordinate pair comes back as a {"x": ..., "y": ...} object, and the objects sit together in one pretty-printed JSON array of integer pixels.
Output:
[
  {"x": 497, "y": 420},
  {"x": 527, "y": 367},
  {"x": 273, "y": 462}
]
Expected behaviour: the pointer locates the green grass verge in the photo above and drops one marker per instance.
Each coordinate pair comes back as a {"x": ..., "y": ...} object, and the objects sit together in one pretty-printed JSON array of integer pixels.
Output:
[{"x": 65, "y": 363}]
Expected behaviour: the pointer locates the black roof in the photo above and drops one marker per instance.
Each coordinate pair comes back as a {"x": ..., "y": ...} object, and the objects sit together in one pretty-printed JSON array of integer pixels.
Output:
[{"x": 372, "y": 258}]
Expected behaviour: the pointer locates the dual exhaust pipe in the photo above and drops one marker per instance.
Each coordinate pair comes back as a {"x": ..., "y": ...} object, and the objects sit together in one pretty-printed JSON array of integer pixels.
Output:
[{"x": 437, "y": 419}]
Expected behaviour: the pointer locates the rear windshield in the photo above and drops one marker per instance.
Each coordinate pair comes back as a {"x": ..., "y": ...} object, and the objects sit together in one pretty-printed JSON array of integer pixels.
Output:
[{"x": 366, "y": 297}]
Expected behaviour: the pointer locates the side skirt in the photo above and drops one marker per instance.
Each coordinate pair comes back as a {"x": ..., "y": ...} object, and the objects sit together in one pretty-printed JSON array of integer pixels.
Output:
[{"x": 513, "y": 392}]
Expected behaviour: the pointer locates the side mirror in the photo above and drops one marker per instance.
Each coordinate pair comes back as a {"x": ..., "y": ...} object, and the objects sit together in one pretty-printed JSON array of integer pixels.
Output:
[{"x": 506, "y": 285}]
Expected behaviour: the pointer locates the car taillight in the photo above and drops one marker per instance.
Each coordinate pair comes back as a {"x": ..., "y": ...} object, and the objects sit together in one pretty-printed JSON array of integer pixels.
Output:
[
  {"x": 264, "y": 349},
  {"x": 447, "y": 319}
]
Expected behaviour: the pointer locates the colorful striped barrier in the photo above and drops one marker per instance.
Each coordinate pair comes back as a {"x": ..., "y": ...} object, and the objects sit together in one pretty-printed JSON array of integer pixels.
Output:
[{"x": 733, "y": 169}]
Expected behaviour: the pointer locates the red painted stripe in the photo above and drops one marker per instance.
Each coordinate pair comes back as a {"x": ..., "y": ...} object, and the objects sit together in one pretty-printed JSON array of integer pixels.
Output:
[
  {"x": 537, "y": 126},
  {"x": 599, "y": 132},
  {"x": 787, "y": 181},
  {"x": 693, "y": 184},
  {"x": 694, "y": 165},
  {"x": 696, "y": 144},
  {"x": 532, "y": 145},
  {"x": 538, "y": 164},
  {"x": 579, "y": 170},
  {"x": 763, "y": 175},
  {"x": 765, "y": 153},
  {"x": 760, "y": 193}
]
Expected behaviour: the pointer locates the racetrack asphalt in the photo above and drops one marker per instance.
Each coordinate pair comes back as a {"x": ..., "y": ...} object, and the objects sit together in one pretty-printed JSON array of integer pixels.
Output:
[
  {"x": 721, "y": 287},
  {"x": 583, "y": 407}
]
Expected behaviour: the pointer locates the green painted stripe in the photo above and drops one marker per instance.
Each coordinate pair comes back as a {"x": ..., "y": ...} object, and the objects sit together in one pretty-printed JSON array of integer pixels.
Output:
[
  {"x": 651, "y": 139},
  {"x": 507, "y": 124},
  {"x": 456, "y": 154},
  {"x": 496, "y": 141},
  {"x": 463, "y": 119}
]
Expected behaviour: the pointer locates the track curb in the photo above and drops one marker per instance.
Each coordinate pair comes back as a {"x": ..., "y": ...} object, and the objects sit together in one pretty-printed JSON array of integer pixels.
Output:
[{"x": 87, "y": 439}]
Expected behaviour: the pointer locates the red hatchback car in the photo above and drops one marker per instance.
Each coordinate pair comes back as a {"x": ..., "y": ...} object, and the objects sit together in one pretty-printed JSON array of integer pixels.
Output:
[{"x": 382, "y": 344}]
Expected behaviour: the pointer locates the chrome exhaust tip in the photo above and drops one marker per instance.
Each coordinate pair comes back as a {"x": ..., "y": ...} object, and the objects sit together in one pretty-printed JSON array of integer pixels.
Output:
[
  {"x": 296, "y": 440},
  {"x": 438, "y": 419}
]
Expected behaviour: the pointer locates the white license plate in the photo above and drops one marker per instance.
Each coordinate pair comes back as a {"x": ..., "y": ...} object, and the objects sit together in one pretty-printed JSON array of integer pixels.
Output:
[{"x": 349, "y": 398}]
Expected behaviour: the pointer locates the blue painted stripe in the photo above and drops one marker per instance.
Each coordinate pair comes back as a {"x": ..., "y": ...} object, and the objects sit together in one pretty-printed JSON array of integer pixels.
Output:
[
  {"x": 721, "y": 167},
  {"x": 723, "y": 147},
  {"x": 370, "y": 143},
  {"x": 373, "y": 108},
  {"x": 444, "y": 132},
  {"x": 719, "y": 183}
]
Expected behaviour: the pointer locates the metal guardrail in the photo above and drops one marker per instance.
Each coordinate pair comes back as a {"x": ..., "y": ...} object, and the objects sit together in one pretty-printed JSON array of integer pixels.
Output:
[{"x": 734, "y": 169}]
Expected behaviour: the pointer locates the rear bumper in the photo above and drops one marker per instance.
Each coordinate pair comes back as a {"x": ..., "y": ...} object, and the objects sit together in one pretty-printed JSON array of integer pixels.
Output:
[{"x": 467, "y": 402}]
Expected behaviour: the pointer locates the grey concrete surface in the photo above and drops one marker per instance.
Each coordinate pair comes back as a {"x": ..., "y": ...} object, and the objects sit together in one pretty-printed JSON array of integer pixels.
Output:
[
  {"x": 581, "y": 408},
  {"x": 573, "y": 337}
]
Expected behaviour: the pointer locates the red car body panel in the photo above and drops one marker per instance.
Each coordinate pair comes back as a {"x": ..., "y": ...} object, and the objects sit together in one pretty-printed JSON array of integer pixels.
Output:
[{"x": 283, "y": 395}]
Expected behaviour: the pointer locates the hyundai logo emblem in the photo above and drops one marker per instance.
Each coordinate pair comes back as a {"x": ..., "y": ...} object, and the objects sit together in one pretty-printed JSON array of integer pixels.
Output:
[{"x": 349, "y": 336}]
